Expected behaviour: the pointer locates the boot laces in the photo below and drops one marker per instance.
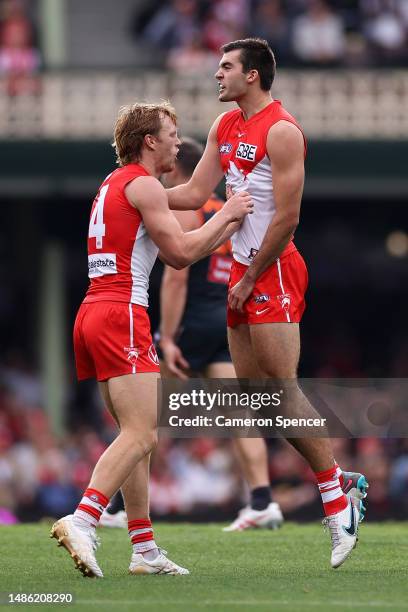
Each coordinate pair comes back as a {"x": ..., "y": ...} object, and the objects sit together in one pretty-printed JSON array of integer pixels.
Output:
[{"x": 330, "y": 522}]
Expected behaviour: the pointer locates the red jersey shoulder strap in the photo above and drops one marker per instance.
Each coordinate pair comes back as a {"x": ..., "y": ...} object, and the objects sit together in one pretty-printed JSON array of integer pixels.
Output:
[
  {"x": 229, "y": 118},
  {"x": 279, "y": 113},
  {"x": 128, "y": 172}
]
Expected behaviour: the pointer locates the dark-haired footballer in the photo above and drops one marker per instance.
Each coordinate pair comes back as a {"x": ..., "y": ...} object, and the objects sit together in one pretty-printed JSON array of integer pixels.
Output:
[{"x": 260, "y": 148}]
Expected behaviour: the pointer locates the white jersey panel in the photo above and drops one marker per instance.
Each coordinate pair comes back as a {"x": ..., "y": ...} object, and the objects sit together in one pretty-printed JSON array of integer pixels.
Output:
[
  {"x": 144, "y": 255},
  {"x": 247, "y": 240}
]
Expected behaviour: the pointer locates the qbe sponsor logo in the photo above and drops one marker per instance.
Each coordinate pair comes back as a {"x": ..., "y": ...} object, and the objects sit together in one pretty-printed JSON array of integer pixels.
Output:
[
  {"x": 101, "y": 264},
  {"x": 246, "y": 151}
]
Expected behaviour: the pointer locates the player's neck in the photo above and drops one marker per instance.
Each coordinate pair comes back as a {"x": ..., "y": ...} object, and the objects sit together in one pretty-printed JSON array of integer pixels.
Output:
[
  {"x": 254, "y": 104},
  {"x": 149, "y": 165}
]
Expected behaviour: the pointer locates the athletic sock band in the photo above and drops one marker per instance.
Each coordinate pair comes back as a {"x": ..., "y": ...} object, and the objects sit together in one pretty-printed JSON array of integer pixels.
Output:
[
  {"x": 333, "y": 498},
  {"x": 141, "y": 535},
  {"x": 90, "y": 508}
]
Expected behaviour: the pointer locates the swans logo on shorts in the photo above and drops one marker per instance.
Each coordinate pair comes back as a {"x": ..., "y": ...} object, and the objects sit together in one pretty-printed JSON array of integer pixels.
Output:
[
  {"x": 133, "y": 354},
  {"x": 284, "y": 300},
  {"x": 153, "y": 355}
]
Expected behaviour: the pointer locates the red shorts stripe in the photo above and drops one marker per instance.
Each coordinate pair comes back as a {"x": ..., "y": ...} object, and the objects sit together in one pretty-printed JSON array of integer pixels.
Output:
[
  {"x": 113, "y": 339},
  {"x": 278, "y": 295}
]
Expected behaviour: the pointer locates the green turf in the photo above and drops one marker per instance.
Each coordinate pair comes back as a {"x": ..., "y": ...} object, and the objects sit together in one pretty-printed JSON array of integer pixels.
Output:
[{"x": 255, "y": 570}]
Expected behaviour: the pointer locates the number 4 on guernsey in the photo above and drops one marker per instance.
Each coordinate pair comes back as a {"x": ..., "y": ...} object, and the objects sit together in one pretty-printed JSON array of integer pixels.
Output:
[{"x": 96, "y": 224}]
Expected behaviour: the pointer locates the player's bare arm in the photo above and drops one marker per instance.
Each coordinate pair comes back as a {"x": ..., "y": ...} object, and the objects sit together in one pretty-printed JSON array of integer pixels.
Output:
[
  {"x": 206, "y": 176},
  {"x": 181, "y": 249},
  {"x": 285, "y": 146},
  {"x": 173, "y": 296},
  {"x": 231, "y": 229}
]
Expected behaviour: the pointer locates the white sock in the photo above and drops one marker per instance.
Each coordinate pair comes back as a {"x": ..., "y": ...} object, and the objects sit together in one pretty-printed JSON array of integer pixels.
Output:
[{"x": 150, "y": 555}]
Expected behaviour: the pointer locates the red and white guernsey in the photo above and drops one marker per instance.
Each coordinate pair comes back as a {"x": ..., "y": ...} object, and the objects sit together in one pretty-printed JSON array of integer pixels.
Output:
[
  {"x": 121, "y": 254},
  {"x": 246, "y": 165}
]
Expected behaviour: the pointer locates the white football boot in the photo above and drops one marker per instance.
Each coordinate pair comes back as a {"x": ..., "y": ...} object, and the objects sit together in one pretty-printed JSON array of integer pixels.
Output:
[
  {"x": 119, "y": 519},
  {"x": 160, "y": 565},
  {"x": 270, "y": 518},
  {"x": 81, "y": 544},
  {"x": 343, "y": 528}
]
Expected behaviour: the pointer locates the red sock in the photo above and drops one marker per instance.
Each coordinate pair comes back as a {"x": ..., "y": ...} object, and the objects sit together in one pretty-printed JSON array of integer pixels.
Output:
[
  {"x": 90, "y": 508},
  {"x": 141, "y": 535},
  {"x": 339, "y": 474},
  {"x": 333, "y": 498}
]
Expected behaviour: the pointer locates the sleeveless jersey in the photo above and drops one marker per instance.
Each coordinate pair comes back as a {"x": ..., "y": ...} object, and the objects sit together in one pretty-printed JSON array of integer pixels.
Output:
[
  {"x": 245, "y": 162},
  {"x": 121, "y": 254},
  {"x": 208, "y": 278}
]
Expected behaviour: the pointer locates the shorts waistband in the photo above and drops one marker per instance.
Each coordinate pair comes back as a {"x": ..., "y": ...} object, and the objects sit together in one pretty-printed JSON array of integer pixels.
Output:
[{"x": 289, "y": 250}]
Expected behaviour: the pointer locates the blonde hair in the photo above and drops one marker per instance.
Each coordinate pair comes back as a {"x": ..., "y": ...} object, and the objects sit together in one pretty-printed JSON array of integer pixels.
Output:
[{"x": 134, "y": 122}]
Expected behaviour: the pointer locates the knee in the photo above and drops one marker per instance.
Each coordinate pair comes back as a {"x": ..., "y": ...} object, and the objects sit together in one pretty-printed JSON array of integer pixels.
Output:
[
  {"x": 146, "y": 441},
  {"x": 143, "y": 439},
  {"x": 272, "y": 371},
  {"x": 152, "y": 440}
]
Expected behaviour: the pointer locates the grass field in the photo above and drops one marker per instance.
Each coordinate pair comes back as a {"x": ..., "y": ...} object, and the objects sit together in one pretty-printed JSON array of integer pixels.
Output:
[{"x": 255, "y": 570}]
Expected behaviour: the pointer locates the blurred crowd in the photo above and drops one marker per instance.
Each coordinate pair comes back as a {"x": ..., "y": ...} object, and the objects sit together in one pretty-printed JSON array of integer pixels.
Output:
[
  {"x": 320, "y": 33},
  {"x": 19, "y": 55},
  {"x": 186, "y": 35},
  {"x": 42, "y": 475}
]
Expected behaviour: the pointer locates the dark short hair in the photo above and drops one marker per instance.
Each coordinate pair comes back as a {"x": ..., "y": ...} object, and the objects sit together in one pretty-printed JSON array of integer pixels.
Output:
[
  {"x": 190, "y": 153},
  {"x": 256, "y": 54}
]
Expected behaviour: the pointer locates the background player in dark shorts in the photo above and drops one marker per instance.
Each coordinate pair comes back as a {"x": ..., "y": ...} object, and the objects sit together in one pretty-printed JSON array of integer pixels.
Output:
[{"x": 193, "y": 322}]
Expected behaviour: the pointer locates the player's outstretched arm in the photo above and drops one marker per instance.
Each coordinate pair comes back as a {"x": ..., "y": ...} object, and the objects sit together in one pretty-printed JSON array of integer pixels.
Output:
[
  {"x": 231, "y": 229},
  {"x": 206, "y": 176},
  {"x": 181, "y": 249},
  {"x": 285, "y": 146}
]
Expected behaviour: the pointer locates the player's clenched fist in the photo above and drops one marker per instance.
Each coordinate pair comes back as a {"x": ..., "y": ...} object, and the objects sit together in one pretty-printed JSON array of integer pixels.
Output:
[{"x": 238, "y": 206}]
